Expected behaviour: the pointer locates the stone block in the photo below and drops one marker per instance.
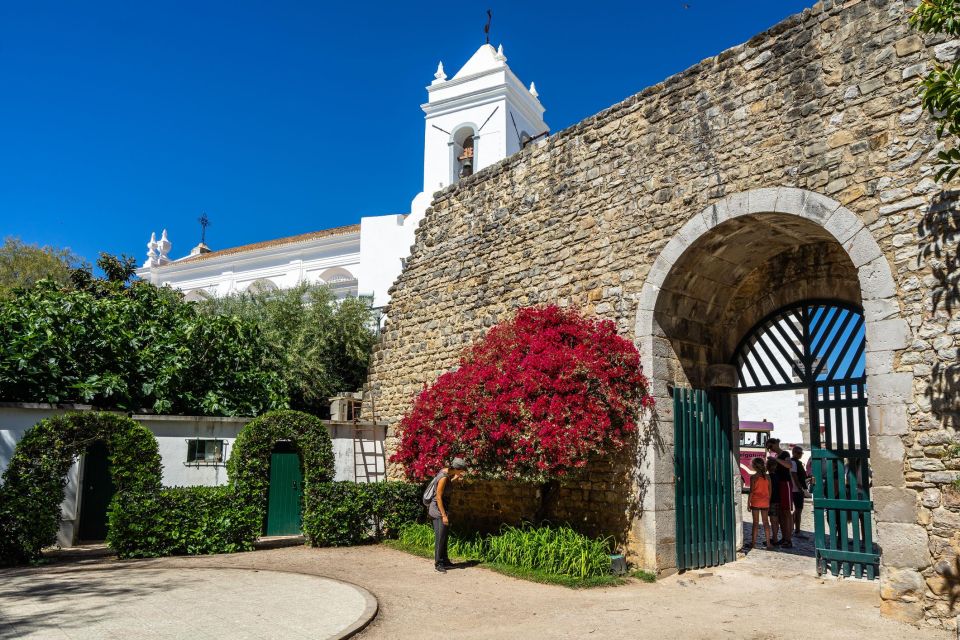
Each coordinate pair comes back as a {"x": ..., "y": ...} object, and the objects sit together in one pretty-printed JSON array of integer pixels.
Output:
[
  {"x": 879, "y": 362},
  {"x": 945, "y": 523},
  {"x": 904, "y": 546},
  {"x": 694, "y": 228},
  {"x": 887, "y": 335},
  {"x": 843, "y": 224},
  {"x": 862, "y": 248},
  {"x": 895, "y": 505},
  {"x": 930, "y": 498},
  {"x": 888, "y": 420},
  {"x": 876, "y": 280},
  {"x": 896, "y": 584},
  {"x": 874, "y": 310},
  {"x": 818, "y": 208},
  {"x": 763, "y": 200},
  {"x": 886, "y": 459},
  {"x": 909, "y": 612},
  {"x": 890, "y": 388}
]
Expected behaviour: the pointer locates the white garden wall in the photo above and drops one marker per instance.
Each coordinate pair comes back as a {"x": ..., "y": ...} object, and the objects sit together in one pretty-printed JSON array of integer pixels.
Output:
[{"x": 358, "y": 451}]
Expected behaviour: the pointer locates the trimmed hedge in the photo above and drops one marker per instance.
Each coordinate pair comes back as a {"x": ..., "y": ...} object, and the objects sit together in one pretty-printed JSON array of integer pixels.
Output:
[
  {"x": 344, "y": 513},
  {"x": 178, "y": 521},
  {"x": 33, "y": 484},
  {"x": 249, "y": 465}
]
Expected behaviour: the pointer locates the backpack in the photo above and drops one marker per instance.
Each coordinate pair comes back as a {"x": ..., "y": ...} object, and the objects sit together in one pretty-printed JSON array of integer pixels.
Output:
[{"x": 430, "y": 493}]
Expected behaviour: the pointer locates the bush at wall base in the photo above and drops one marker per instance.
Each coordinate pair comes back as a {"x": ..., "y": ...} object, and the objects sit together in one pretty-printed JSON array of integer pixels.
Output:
[
  {"x": 178, "y": 521},
  {"x": 344, "y": 513}
]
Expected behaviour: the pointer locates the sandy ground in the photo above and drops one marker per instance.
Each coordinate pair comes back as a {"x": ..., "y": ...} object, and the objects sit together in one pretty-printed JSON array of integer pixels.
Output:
[{"x": 767, "y": 595}]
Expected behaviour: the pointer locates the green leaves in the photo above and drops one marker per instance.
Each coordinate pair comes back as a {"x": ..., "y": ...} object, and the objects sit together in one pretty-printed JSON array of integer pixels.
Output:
[
  {"x": 318, "y": 345},
  {"x": 937, "y": 16},
  {"x": 940, "y": 89},
  {"x": 138, "y": 348},
  {"x": 345, "y": 513}
]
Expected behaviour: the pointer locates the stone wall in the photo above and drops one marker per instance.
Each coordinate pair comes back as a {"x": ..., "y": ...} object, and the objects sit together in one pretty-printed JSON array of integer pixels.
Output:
[{"x": 816, "y": 119}]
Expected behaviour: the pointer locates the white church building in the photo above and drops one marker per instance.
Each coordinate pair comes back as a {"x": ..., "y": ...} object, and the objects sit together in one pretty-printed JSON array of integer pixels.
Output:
[{"x": 481, "y": 115}]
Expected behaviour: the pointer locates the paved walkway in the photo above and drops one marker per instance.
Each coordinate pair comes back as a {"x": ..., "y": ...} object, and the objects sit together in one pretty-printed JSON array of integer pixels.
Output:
[{"x": 132, "y": 601}]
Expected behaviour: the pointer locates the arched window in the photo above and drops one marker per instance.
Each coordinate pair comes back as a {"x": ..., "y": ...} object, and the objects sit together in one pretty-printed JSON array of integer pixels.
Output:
[
  {"x": 342, "y": 283},
  {"x": 464, "y": 153},
  {"x": 197, "y": 295},
  {"x": 263, "y": 285}
]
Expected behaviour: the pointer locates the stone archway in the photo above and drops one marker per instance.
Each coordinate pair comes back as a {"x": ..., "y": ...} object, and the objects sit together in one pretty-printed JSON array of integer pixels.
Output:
[{"x": 686, "y": 322}]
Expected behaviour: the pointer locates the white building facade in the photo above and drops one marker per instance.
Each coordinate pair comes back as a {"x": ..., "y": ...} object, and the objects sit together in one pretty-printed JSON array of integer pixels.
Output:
[{"x": 473, "y": 120}]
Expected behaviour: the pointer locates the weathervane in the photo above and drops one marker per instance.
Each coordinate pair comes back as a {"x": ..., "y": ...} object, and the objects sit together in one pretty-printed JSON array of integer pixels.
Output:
[
  {"x": 486, "y": 27},
  {"x": 204, "y": 223}
]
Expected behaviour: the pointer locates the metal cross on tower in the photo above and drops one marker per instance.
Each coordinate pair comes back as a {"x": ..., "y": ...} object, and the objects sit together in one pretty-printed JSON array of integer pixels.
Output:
[{"x": 204, "y": 223}]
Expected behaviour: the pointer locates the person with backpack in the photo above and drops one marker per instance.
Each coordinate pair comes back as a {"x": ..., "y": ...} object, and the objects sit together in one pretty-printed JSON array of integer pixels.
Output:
[{"x": 433, "y": 499}]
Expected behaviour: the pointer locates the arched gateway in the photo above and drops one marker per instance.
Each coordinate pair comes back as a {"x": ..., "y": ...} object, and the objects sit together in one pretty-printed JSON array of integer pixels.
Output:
[{"x": 776, "y": 288}]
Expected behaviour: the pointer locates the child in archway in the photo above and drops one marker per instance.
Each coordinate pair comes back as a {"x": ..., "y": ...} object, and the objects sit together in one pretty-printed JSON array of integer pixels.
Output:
[{"x": 759, "y": 502}]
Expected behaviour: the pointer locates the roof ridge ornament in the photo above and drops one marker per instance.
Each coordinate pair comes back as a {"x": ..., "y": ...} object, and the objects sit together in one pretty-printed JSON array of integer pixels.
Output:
[
  {"x": 440, "y": 75},
  {"x": 151, "y": 251},
  {"x": 163, "y": 246},
  {"x": 499, "y": 55},
  {"x": 533, "y": 90}
]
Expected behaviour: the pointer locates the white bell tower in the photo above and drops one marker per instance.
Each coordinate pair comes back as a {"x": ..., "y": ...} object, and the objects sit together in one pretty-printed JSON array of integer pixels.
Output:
[{"x": 476, "y": 118}]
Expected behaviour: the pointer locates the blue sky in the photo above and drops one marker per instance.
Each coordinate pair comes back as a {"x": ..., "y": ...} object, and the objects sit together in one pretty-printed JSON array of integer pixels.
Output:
[{"x": 278, "y": 118}]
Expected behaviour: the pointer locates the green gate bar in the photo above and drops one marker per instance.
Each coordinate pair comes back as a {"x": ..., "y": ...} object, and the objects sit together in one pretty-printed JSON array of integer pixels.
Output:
[{"x": 705, "y": 525}]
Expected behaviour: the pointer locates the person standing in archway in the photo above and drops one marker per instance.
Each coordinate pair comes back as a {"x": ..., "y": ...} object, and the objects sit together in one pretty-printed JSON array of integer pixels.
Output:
[
  {"x": 433, "y": 498},
  {"x": 799, "y": 476},
  {"x": 783, "y": 486}
]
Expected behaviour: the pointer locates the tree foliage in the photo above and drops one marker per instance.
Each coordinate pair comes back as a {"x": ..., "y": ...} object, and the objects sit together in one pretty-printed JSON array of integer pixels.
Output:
[
  {"x": 134, "y": 347},
  {"x": 940, "y": 89},
  {"x": 533, "y": 400},
  {"x": 319, "y": 345},
  {"x": 23, "y": 265}
]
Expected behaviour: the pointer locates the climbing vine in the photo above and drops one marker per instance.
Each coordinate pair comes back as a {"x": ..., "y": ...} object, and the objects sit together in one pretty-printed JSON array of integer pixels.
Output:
[
  {"x": 33, "y": 484},
  {"x": 249, "y": 464}
]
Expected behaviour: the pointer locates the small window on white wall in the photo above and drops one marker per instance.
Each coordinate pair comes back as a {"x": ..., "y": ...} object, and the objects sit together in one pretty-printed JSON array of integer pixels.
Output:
[{"x": 204, "y": 451}]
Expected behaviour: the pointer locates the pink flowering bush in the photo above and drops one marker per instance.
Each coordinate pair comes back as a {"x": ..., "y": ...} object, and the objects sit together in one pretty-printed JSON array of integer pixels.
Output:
[{"x": 533, "y": 400}]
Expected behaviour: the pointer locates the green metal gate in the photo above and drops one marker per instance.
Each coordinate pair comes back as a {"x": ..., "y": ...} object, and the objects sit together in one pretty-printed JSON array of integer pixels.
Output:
[
  {"x": 706, "y": 528},
  {"x": 818, "y": 346},
  {"x": 283, "y": 501},
  {"x": 842, "y": 509}
]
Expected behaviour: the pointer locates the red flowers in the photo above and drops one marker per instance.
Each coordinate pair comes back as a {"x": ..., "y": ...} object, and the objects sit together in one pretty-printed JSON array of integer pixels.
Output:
[{"x": 534, "y": 399}]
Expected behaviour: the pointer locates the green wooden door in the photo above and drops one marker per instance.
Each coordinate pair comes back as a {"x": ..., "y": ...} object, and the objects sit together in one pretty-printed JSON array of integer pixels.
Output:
[
  {"x": 95, "y": 493},
  {"x": 842, "y": 508},
  {"x": 283, "y": 503},
  {"x": 703, "y": 487}
]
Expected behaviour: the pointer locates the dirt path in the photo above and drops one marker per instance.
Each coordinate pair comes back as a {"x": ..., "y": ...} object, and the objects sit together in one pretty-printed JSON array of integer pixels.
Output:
[{"x": 733, "y": 601}]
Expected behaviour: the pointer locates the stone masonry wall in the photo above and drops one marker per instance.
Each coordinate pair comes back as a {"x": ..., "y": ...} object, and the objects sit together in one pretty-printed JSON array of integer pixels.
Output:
[{"x": 824, "y": 101}]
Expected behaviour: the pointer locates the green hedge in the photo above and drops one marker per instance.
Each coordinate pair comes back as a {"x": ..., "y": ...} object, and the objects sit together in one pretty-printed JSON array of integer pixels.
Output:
[
  {"x": 249, "y": 465},
  {"x": 179, "y": 521},
  {"x": 33, "y": 483},
  {"x": 345, "y": 513}
]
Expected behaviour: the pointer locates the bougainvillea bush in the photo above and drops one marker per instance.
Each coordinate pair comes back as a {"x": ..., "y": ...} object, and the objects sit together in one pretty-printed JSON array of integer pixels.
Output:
[{"x": 534, "y": 399}]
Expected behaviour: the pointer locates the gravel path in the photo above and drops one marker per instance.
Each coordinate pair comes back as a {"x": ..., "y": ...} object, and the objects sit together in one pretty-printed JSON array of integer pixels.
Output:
[{"x": 733, "y": 601}]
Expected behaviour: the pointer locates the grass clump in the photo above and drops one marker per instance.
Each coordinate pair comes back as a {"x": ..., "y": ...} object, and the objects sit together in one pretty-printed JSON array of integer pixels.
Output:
[
  {"x": 644, "y": 576},
  {"x": 553, "y": 555}
]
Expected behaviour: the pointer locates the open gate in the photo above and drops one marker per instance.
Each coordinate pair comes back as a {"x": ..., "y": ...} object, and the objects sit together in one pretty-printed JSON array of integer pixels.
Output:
[
  {"x": 818, "y": 346},
  {"x": 705, "y": 527}
]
